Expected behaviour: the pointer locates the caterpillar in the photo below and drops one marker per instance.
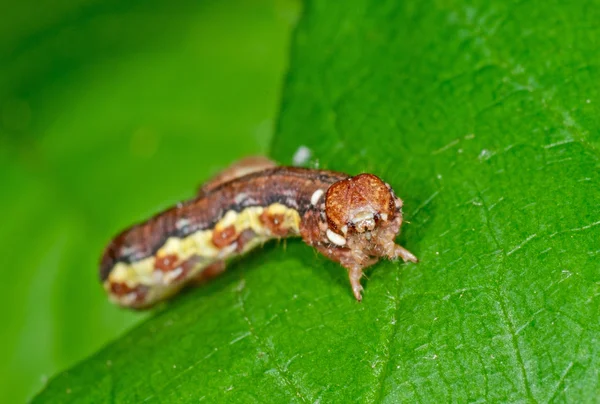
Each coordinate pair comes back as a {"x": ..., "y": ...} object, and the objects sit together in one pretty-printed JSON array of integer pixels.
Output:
[{"x": 352, "y": 220}]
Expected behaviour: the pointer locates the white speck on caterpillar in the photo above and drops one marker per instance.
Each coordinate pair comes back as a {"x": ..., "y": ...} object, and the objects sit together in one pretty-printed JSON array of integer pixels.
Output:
[
  {"x": 239, "y": 198},
  {"x": 314, "y": 199},
  {"x": 181, "y": 223},
  {"x": 129, "y": 298},
  {"x": 172, "y": 275},
  {"x": 335, "y": 238},
  {"x": 227, "y": 251}
]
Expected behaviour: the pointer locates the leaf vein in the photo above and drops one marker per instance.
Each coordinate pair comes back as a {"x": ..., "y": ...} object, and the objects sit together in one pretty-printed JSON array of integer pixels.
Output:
[{"x": 270, "y": 355}]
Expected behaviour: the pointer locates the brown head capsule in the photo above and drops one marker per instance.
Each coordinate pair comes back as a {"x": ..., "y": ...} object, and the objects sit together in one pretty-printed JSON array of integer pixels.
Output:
[{"x": 357, "y": 203}]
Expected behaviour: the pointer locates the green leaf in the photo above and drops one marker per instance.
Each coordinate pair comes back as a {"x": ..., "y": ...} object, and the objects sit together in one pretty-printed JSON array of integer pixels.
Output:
[
  {"x": 109, "y": 112},
  {"x": 485, "y": 120}
]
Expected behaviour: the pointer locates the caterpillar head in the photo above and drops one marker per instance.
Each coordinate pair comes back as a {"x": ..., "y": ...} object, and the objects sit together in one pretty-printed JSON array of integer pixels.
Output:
[{"x": 359, "y": 205}]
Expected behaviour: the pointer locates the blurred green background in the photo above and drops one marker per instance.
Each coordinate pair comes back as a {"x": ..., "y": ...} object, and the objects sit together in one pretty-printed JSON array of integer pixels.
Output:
[{"x": 109, "y": 112}]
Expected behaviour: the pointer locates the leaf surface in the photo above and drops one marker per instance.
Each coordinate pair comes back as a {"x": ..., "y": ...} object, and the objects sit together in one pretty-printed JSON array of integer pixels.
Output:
[
  {"x": 485, "y": 120},
  {"x": 109, "y": 112}
]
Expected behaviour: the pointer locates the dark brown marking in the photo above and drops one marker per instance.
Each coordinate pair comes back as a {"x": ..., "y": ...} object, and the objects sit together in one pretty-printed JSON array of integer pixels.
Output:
[{"x": 224, "y": 237}]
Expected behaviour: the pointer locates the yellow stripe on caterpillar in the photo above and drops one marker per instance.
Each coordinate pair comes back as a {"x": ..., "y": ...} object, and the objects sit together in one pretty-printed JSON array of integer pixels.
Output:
[{"x": 199, "y": 250}]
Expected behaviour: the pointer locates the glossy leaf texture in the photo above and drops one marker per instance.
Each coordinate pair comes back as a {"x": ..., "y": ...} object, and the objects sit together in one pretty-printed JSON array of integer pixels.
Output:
[{"x": 484, "y": 117}]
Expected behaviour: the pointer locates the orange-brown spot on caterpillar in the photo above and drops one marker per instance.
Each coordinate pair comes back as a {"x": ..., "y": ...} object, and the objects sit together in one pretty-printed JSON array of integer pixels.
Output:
[
  {"x": 166, "y": 263},
  {"x": 274, "y": 222},
  {"x": 357, "y": 202},
  {"x": 121, "y": 289},
  {"x": 223, "y": 238}
]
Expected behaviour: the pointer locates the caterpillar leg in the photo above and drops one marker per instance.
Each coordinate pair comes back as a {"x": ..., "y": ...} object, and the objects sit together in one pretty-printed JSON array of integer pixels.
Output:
[
  {"x": 355, "y": 273},
  {"x": 356, "y": 261},
  {"x": 353, "y": 261},
  {"x": 401, "y": 252}
]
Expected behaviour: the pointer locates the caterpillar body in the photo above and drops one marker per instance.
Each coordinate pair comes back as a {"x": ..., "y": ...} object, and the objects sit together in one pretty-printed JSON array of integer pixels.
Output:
[{"x": 352, "y": 220}]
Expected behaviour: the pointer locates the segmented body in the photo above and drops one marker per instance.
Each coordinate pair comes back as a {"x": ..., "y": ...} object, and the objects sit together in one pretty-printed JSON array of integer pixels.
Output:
[{"x": 352, "y": 220}]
